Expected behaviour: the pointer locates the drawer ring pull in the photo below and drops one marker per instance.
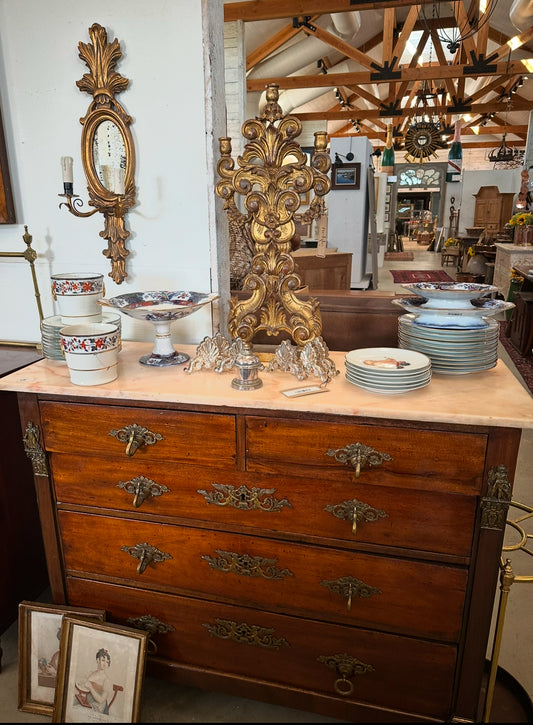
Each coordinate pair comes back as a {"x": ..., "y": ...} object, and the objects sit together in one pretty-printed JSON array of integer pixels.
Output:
[
  {"x": 135, "y": 436},
  {"x": 142, "y": 488},
  {"x": 345, "y": 666},
  {"x": 343, "y": 687},
  {"x": 358, "y": 456},
  {"x": 147, "y": 554}
]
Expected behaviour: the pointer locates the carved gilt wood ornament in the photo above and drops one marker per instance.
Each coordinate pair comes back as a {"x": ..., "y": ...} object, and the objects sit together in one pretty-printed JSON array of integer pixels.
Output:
[
  {"x": 272, "y": 173},
  {"x": 108, "y": 153}
]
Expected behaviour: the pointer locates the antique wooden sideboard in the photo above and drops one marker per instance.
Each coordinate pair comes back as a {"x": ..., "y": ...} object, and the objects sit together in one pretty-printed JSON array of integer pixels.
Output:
[{"x": 337, "y": 553}]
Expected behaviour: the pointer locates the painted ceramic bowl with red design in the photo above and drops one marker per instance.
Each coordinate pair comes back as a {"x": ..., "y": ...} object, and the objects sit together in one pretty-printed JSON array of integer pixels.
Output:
[{"x": 77, "y": 296}]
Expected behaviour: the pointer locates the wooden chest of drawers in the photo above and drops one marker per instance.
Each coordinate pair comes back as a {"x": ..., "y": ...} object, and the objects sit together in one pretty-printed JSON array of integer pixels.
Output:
[{"x": 337, "y": 564}]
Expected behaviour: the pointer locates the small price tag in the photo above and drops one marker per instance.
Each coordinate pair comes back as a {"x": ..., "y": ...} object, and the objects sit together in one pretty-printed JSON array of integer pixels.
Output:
[
  {"x": 307, "y": 390},
  {"x": 322, "y": 225}
]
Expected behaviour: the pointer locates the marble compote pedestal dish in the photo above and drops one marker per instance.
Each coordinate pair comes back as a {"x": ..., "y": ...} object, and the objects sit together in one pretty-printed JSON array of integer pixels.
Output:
[{"x": 160, "y": 308}]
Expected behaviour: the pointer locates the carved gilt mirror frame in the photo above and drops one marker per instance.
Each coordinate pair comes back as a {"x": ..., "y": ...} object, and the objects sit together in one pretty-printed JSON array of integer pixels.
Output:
[{"x": 108, "y": 153}]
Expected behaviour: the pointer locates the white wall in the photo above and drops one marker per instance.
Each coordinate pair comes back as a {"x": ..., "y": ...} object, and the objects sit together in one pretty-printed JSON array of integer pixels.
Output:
[
  {"x": 347, "y": 210},
  {"x": 176, "y": 123}
]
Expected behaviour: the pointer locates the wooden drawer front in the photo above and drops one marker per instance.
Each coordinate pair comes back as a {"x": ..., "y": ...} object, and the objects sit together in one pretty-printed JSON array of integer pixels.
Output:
[
  {"x": 421, "y": 520},
  {"x": 83, "y": 429},
  {"x": 284, "y": 651},
  {"x": 428, "y": 460},
  {"x": 375, "y": 591}
]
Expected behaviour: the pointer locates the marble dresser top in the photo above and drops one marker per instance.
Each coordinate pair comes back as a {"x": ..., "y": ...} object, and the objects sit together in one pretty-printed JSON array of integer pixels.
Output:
[{"x": 493, "y": 397}]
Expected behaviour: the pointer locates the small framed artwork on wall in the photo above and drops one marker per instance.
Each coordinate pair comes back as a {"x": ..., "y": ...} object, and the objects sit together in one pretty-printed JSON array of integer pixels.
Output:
[{"x": 347, "y": 176}]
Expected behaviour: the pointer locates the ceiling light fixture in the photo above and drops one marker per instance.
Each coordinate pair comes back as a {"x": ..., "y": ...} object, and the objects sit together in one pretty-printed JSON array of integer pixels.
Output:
[{"x": 460, "y": 33}]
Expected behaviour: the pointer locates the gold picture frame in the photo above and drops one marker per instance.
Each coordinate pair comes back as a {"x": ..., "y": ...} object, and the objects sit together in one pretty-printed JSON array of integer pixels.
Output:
[
  {"x": 101, "y": 672},
  {"x": 39, "y": 629}
]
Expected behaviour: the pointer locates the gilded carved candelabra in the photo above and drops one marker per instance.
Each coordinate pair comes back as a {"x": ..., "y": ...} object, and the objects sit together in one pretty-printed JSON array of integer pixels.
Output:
[{"x": 271, "y": 175}]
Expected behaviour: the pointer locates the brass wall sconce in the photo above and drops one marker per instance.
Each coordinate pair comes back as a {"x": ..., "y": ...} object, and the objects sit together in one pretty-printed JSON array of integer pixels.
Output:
[{"x": 108, "y": 153}]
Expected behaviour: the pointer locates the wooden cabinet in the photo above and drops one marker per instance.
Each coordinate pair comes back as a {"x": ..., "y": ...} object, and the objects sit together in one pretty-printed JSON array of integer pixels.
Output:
[
  {"x": 338, "y": 564},
  {"x": 493, "y": 209},
  {"x": 333, "y": 271}
]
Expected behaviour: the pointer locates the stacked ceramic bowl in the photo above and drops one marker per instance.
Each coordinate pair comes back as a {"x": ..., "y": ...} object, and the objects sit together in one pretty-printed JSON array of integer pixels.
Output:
[
  {"x": 50, "y": 339},
  {"x": 387, "y": 369},
  {"x": 449, "y": 322}
]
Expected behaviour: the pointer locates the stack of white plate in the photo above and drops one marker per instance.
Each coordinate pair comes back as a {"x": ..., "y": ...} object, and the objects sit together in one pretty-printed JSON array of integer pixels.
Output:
[
  {"x": 387, "y": 369},
  {"x": 452, "y": 350},
  {"x": 50, "y": 327}
]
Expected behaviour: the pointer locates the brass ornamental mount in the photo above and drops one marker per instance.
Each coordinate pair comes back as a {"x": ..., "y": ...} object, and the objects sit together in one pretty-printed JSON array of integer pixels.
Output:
[{"x": 108, "y": 153}]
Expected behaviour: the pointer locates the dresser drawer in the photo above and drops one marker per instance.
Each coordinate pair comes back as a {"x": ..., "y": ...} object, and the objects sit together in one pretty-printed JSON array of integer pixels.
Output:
[
  {"x": 398, "y": 457},
  {"x": 334, "y": 584},
  {"x": 80, "y": 429},
  {"x": 423, "y": 520},
  {"x": 283, "y": 651}
]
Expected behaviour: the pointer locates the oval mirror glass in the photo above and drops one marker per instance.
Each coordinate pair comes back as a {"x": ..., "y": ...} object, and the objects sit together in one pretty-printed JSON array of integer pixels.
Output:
[{"x": 109, "y": 156}]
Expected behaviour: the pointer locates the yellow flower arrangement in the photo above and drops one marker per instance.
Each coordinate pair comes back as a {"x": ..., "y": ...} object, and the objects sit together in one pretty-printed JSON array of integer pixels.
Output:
[
  {"x": 471, "y": 251},
  {"x": 516, "y": 277},
  {"x": 451, "y": 242},
  {"x": 521, "y": 219}
]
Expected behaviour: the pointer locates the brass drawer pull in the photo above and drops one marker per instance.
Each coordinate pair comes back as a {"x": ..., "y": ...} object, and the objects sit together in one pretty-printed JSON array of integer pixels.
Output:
[
  {"x": 358, "y": 456},
  {"x": 142, "y": 488},
  {"x": 346, "y": 666},
  {"x": 356, "y": 512},
  {"x": 147, "y": 554},
  {"x": 349, "y": 587},
  {"x": 244, "y": 633},
  {"x": 152, "y": 625},
  {"x": 135, "y": 436}
]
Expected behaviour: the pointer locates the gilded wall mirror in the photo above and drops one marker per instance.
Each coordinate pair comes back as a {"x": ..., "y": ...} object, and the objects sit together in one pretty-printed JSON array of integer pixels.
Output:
[{"x": 108, "y": 153}]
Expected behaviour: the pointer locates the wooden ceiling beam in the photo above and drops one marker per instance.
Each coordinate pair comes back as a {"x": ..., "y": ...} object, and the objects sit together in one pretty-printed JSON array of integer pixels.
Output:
[
  {"x": 275, "y": 9},
  {"x": 334, "y": 42},
  {"x": 480, "y": 108},
  {"x": 273, "y": 43},
  {"x": 505, "y": 50},
  {"x": 406, "y": 74}
]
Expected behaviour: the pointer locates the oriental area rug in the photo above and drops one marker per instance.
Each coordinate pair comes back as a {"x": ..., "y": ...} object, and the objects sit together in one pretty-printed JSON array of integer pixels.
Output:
[
  {"x": 524, "y": 364},
  {"x": 402, "y": 256},
  {"x": 405, "y": 276}
]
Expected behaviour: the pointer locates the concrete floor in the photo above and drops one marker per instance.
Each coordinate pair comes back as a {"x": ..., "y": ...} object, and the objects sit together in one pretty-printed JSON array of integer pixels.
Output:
[{"x": 166, "y": 702}]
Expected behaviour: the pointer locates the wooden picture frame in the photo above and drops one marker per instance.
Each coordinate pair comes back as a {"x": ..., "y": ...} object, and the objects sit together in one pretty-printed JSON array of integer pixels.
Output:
[
  {"x": 39, "y": 629},
  {"x": 101, "y": 672},
  {"x": 346, "y": 176},
  {"x": 7, "y": 206}
]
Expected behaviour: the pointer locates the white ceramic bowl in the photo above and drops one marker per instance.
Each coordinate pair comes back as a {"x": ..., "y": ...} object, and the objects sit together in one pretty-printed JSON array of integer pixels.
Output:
[
  {"x": 91, "y": 352},
  {"x": 77, "y": 296}
]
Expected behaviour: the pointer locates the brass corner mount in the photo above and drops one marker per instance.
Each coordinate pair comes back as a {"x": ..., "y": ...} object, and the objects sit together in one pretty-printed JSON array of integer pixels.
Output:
[{"x": 108, "y": 153}]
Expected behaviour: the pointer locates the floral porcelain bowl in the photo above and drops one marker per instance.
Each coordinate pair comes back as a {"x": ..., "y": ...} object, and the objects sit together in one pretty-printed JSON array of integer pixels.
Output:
[
  {"x": 157, "y": 306},
  {"x": 450, "y": 294},
  {"x": 161, "y": 309}
]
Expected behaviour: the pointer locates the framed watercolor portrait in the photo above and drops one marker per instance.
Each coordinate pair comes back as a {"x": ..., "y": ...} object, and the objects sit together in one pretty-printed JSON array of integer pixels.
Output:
[
  {"x": 101, "y": 672},
  {"x": 39, "y": 630}
]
